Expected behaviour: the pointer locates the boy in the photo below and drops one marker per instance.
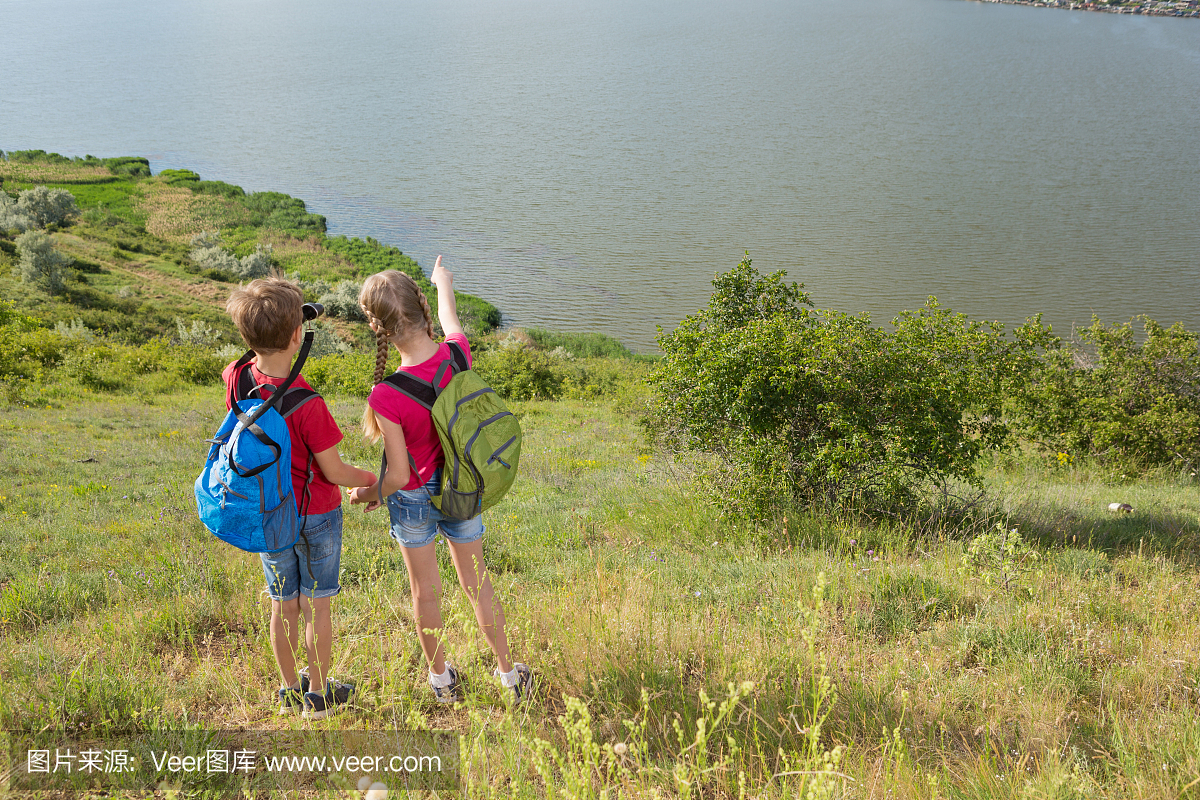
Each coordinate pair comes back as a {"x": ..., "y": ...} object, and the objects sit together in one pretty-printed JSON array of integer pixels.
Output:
[{"x": 301, "y": 579}]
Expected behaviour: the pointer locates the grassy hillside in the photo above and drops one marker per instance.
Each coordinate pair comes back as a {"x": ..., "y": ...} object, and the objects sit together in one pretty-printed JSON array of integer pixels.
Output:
[
  {"x": 627, "y": 591},
  {"x": 680, "y": 650},
  {"x": 132, "y": 273}
]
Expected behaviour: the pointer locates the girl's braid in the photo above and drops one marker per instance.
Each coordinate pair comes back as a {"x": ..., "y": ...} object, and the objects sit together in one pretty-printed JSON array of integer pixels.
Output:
[{"x": 382, "y": 343}]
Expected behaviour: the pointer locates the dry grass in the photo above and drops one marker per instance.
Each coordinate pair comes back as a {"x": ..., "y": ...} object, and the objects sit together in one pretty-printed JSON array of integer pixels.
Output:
[
  {"x": 176, "y": 214},
  {"x": 53, "y": 173}
]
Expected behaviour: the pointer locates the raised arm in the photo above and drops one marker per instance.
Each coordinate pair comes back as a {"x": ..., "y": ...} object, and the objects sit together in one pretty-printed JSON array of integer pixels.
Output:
[{"x": 443, "y": 279}]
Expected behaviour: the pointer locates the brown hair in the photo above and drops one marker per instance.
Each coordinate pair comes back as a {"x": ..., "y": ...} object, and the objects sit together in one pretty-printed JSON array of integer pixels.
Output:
[
  {"x": 267, "y": 312},
  {"x": 396, "y": 308}
]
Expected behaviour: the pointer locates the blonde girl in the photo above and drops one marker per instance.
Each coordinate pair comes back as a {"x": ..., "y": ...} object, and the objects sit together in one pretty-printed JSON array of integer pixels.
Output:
[{"x": 399, "y": 315}]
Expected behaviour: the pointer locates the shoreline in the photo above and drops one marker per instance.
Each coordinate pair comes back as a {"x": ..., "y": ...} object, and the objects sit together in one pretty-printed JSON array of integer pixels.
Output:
[{"x": 1186, "y": 9}]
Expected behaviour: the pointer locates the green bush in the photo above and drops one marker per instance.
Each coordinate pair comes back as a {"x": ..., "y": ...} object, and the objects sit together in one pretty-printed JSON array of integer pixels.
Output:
[
  {"x": 521, "y": 373},
  {"x": 92, "y": 367},
  {"x": 11, "y": 217},
  {"x": 370, "y": 256},
  {"x": 344, "y": 373},
  {"x": 179, "y": 177},
  {"x": 814, "y": 407},
  {"x": 195, "y": 364},
  {"x": 47, "y": 206},
  {"x": 580, "y": 345},
  {"x": 1127, "y": 403},
  {"x": 24, "y": 353},
  {"x": 277, "y": 210},
  {"x": 212, "y": 260},
  {"x": 219, "y": 188},
  {"x": 127, "y": 166},
  {"x": 40, "y": 263},
  {"x": 342, "y": 301},
  {"x": 477, "y": 315},
  {"x": 326, "y": 341}
]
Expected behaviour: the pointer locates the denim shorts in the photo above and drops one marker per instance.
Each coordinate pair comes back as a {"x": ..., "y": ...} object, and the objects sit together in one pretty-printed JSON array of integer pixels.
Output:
[
  {"x": 416, "y": 521},
  {"x": 288, "y": 571}
]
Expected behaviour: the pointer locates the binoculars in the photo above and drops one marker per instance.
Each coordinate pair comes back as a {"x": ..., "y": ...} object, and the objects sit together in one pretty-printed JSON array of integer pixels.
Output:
[{"x": 312, "y": 311}]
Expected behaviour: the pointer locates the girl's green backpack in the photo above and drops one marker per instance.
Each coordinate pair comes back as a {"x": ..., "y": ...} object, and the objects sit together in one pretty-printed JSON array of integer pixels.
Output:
[{"x": 480, "y": 437}]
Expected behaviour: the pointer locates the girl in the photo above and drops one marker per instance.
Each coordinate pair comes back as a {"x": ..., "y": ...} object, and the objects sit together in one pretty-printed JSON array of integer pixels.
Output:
[{"x": 398, "y": 313}]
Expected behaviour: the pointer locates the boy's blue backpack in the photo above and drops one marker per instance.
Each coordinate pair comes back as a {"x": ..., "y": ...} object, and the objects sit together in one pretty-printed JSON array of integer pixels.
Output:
[{"x": 244, "y": 494}]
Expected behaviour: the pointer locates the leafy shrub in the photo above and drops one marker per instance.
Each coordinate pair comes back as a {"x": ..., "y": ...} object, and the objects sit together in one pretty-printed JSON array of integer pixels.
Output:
[
  {"x": 36, "y": 156},
  {"x": 26, "y": 353},
  {"x": 199, "y": 333},
  {"x": 11, "y": 218},
  {"x": 580, "y": 345},
  {"x": 1136, "y": 404},
  {"x": 821, "y": 408},
  {"x": 313, "y": 290},
  {"x": 999, "y": 557},
  {"x": 326, "y": 342},
  {"x": 47, "y": 206},
  {"x": 179, "y": 177},
  {"x": 195, "y": 364},
  {"x": 40, "y": 263},
  {"x": 477, "y": 315},
  {"x": 370, "y": 256},
  {"x": 219, "y": 188},
  {"x": 11, "y": 318},
  {"x": 519, "y": 372},
  {"x": 277, "y": 210},
  {"x": 212, "y": 259},
  {"x": 207, "y": 254},
  {"x": 257, "y": 264},
  {"x": 345, "y": 373},
  {"x": 74, "y": 330},
  {"x": 128, "y": 166},
  {"x": 342, "y": 301},
  {"x": 91, "y": 366}
]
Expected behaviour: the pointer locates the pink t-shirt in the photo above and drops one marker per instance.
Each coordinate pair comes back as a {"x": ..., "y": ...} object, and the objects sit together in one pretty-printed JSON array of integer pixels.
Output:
[{"x": 420, "y": 437}]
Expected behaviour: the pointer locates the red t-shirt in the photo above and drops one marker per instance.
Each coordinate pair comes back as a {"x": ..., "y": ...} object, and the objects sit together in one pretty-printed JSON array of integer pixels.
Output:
[
  {"x": 420, "y": 437},
  {"x": 312, "y": 428}
]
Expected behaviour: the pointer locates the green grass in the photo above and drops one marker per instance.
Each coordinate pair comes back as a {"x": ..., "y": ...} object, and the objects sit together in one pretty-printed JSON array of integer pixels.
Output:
[{"x": 119, "y": 613}]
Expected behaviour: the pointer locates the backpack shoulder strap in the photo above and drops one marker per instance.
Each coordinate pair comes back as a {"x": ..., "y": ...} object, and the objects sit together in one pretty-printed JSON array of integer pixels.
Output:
[
  {"x": 294, "y": 398},
  {"x": 458, "y": 357},
  {"x": 241, "y": 381},
  {"x": 426, "y": 393},
  {"x": 417, "y": 390}
]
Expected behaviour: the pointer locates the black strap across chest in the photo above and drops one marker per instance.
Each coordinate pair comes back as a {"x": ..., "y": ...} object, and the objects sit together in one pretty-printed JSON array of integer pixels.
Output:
[
  {"x": 426, "y": 393},
  {"x": 423, "y": 392},
  {"x": 247, "y": 388}
]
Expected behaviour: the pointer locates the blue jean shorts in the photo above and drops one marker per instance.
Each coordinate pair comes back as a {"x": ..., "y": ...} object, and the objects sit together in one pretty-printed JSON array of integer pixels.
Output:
[
  {"x": 288, "y": 571},
  {"x": 416, "y": 521}
]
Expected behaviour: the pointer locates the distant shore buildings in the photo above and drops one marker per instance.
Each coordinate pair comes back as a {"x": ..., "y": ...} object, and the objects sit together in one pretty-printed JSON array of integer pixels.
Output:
[{"x": 1150, "y": 8}]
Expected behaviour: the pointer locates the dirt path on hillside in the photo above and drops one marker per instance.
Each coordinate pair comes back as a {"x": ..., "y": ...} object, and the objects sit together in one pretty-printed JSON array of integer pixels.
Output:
[{"x": 148, "y": 278}]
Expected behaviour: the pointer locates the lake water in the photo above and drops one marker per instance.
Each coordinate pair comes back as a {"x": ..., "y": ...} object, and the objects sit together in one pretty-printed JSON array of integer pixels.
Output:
[{"x": 591, "y": 165}]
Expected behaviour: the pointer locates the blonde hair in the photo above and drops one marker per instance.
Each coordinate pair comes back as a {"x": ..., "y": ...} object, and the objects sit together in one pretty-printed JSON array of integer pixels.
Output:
[
  {"x": 397, "y": 309},
  {"x": 267, "y": 312}
]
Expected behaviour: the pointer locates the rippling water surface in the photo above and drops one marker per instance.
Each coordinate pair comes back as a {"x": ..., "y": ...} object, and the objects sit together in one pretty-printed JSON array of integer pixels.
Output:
[{"x": 591, "y": 165}]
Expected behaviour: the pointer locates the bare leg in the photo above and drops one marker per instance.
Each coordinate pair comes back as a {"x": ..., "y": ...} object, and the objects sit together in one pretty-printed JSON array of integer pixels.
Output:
[
  {"x": 473, "y": 577},
  {"x": 318, "y": 640},
  {"x": 426, "y": 585},
  {"x": 285, "y": 637}
]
